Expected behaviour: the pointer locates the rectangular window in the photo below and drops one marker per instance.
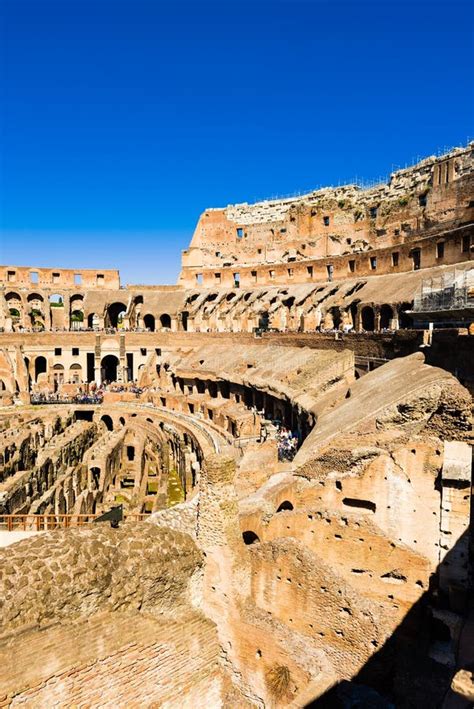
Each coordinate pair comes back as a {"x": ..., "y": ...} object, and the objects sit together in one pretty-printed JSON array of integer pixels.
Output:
[
  {"x": 236, "y": 280},
  {"x": 330, "y": 271},
  {"x": 254, "y": 276},
  {"x": 75, "y": 351},
  {"x": 34, "y": 277},
  {"x": 310, "y": 271},
  {"x": 290, "y": 273},
  {"x": 11, "y": 275},
  {"x": 199, "y": 279},
  {"x": 100, "y": 279},
  {"x": 78, "y": 279},
  {"x": 373, "y": 262},
  {"x": 158, "y": 351},
  {"x": 466, "y": 244},
  {"x": 240, "y": 232},
  {"x": 352, "y": 266},
  {"x": 143, "y": 351},
  {"x": 422, "y": 200},
  {"x": 440, "y": 249},
  {"x": 395, "y": 258},
  {"x": 283, "y": 231},
  {"x": 58, "y": 351},
  {"x": 326, "y": 221},
  {"x": 56, "y": 277},
  {"x": 259, "y": 251},
  {"x": 271, "y": 275},
  {"x": 217, "y": 277},
  {"x": 373, "y": 212},
  {"x": 218, "y": 253}
]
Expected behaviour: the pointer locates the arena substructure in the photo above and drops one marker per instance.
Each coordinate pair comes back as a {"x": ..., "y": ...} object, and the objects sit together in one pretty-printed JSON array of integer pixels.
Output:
[{"x": 291, "y": 449}]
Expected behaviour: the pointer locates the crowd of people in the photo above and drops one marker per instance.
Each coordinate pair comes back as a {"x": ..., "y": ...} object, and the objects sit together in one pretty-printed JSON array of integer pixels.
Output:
[{"x": 288, "y": 443}]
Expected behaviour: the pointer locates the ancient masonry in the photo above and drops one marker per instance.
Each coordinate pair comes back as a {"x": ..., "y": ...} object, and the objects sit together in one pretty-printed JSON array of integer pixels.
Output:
[{"x": 287, "y": 433}]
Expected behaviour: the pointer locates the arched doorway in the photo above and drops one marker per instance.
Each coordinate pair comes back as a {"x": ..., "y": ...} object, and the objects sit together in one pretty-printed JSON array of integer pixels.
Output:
[
  {"x": 264, "y": 320},
  {"x": 58, "y": 375},
  {"x": 75, "y": 373},
  {"x": 405, "y": 320},
  {"x": 107, "y": 421},
  {"x": 184, "y": 319},
  {"x": 368, "y": 319},
  {"x": 93, "y": 321},
  {"x": 109, "y": 367},
  {"x": 386, "y": 315},
  {"x": 115, "y": 315},
  {"x": 149, "y": 322},
  {"x": 165, "y": 321},
  {"x": 40, "y": 367}
]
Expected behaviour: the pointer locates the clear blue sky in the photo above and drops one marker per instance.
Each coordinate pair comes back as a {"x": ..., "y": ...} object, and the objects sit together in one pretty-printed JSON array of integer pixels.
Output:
[{"x": 123, "y": 120}]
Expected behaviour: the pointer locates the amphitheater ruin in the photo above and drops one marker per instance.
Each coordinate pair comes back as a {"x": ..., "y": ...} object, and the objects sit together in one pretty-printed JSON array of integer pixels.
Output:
[{"x": 287, "y": 433}]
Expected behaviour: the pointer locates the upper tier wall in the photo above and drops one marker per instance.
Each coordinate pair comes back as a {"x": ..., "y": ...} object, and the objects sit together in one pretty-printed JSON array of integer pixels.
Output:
[
  {"x": 51, "y": 278},
  {"x": 333, "y": 223}
]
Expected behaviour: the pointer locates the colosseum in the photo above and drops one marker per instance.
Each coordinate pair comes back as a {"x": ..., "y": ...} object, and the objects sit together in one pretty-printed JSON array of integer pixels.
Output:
[{"x": 251, "y": 488}]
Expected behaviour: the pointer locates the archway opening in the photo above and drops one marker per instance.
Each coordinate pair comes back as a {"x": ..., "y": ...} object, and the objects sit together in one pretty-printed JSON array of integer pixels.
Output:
[
  {"x": 106, "y": 419},
  {"x": 149, "y": 322},
  {"x": 250, "y": 537},
  {"x": 184, "y": 319},
  {"x": 264, "y": 320},
  {"x": 93, "y": 321},
  {"x": 115, "y": 315},
  {"x": 405, "y": 320},
  {"x": 40, "y": 367},
  {"x": 285, "y": 505},
  {"x": 165, "y": 321},
  {"x": 109, "y": 367},
  {"x": 386, "y": 315},
  {"x": 368, "y": 319}
]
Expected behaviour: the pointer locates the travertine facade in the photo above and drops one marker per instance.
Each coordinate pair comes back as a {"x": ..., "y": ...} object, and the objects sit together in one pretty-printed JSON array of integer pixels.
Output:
[{"x": 291, "y": 445}]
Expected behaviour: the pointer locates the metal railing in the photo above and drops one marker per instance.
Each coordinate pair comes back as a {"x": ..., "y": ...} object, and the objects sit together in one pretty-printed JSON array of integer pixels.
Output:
[{"x": 46, "y": 522}]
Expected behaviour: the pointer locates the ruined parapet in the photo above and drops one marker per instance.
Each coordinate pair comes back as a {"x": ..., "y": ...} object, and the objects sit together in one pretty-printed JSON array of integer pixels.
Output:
[{"x": 218, "y": 512}]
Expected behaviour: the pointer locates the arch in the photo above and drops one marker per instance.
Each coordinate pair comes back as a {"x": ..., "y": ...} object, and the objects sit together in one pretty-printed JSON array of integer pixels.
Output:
[
  {"x": 368, "y": 319},
  {"x": 3, "y": 386},
  {"x": 336, "y": 316},
  {"x": 184, "y": 319},
  {"x": 93, "y": 321},
  {"x": 109, "y": 366},
  {"x": 11, "y": 295},
  {"x": 165, "y": 321},
  {"x": 107, "y": 421},
  {"x": 122, "y": 421},
  {"x": 14, "y": 312},
  {"x": 263, "y": 320},
  {"x": 77, "y": 318},
  {"x": 285, "y": 505},
  {"x": 75, "y": 373},
  {"x": 40, "y": 366},
  {"x": 250, "y": 537},
  {"x": 56, "y": 300},
  {"x": 115, "y": 314},
  {"x": 58, "y": 375},
  {"x": 149, "y": 322},
  {"x": 386, "y": 315},
  {"x": 405, "y": 320},
  {"x": 35, "y": 296}
]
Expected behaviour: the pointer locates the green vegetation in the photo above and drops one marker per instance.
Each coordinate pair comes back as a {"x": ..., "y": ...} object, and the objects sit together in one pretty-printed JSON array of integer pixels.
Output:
[
  {"x": 175, "y": 490},
  {"x": 152, "y": 487},
  {"x": 403, "y": 201},
  {"x": 14, "y": 312}
]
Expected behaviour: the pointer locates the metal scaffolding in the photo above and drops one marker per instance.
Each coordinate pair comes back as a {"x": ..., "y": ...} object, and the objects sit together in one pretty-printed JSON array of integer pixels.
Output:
[{"x": 449, "y": 291}]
